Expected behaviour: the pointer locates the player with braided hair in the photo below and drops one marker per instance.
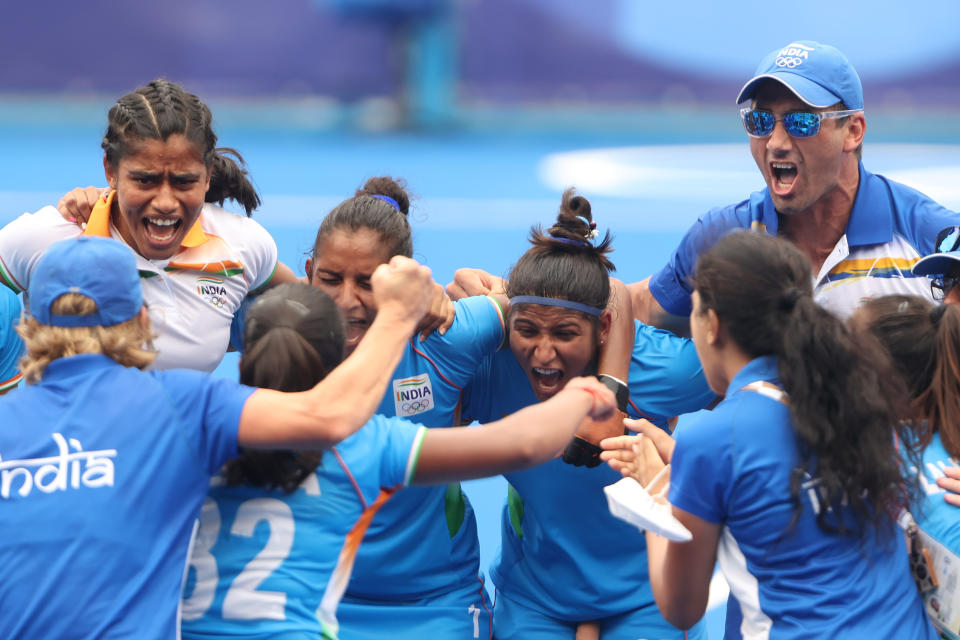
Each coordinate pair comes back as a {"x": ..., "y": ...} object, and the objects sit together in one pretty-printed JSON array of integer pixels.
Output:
[{"x": 197, "y": 261}]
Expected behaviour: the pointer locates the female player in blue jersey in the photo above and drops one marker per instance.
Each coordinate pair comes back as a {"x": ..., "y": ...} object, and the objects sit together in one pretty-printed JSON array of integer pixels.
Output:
[
  {"x": 279, "y": 531},
  {"x": 792, "y": 482},
  {"x": 564, "y": 560},
  {"x": 105, "y": 467},
  {"x": 417, "y": 574},
  {"x": 924, "y": 340}
]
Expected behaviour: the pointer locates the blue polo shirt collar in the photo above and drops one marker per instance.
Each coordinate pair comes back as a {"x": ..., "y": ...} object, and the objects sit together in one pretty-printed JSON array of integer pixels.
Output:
[
  {"x": 762, "y": 368},
  {"x": 79, "y": 365},
  {"x": 871, "y": 219}
]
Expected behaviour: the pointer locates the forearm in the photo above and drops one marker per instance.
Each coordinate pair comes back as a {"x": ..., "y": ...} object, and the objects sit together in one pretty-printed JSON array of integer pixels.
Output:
[
  {"x": 615, "y": 353},
  {"x": 647, "y": 310},
  {"x": 523, "y": 439},
  {"x": 680, "y": 572},
  {"x": 339, "y": 404},
  {"x": 357, "y": 385}
]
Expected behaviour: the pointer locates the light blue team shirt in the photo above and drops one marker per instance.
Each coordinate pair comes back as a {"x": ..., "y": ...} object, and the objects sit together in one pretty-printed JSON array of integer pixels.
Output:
[
  {"x": 733, "y": 466},
  {"x": 891, "y": 227},
  {"x": 103, "y": 469},
  {"x": 273, "y": 564},
  {"x": 423, "y": 542},
  {"x": 11, "y": 345},
  {"x": 941, "y": 522},
  {"x": 562, "y": 552}
]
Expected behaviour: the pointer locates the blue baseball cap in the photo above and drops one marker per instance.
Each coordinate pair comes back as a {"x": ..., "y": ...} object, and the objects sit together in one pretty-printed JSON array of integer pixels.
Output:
[
  {"x": 947, "y": 257},
  {"x": 102, "y": 269},
  {"x": 816, "y": 73}
]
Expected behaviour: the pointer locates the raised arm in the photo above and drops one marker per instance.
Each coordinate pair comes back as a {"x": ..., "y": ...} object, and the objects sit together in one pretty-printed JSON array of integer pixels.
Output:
[
  {"x": 613, "y": 368},
  {"x": 647, "y": 310},
  {"x": 346, "y": 399},
  {"x": 523, "y": 439}
]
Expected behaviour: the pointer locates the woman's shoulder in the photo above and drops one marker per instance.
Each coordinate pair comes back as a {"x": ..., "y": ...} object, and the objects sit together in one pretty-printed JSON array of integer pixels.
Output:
[{"x": 232, "y": 227}]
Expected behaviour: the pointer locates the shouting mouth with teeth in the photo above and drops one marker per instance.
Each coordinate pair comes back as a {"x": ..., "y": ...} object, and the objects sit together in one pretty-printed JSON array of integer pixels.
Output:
[
  {"x": 801, "y": 172},
  {"x": 160, "y": 189},
  {"x": 552, "y": 345}
]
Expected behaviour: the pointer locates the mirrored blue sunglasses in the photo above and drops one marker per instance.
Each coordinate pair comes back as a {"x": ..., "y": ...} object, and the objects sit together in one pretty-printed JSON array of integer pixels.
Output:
[{"x": 759, "y": 123}]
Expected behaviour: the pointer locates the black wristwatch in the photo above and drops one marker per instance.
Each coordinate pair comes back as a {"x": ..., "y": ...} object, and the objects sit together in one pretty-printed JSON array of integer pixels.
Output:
[{"x": 620, "y": 390}]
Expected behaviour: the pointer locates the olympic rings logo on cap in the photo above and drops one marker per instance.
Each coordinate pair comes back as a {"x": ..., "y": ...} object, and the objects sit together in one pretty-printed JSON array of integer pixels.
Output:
[{"x": 789, "y": 61}]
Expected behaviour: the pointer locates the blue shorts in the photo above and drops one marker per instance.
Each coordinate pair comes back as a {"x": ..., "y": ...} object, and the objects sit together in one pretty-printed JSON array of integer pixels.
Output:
[
  {"x": 515, "y": 621},
  {"x": 465, "y": 614}
]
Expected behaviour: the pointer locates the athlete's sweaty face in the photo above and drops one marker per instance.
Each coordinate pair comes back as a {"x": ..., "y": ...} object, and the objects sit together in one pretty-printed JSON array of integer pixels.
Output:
[
  {"x": 552, "y": 345},
  {"x": 341, "y": 267},
  {"x": 160, "y": 189}
]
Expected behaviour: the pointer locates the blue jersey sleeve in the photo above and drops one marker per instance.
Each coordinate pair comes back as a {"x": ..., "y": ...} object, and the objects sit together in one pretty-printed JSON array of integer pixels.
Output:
[
  {"x": 210, "y": 410},
  {"x": 701, "y": 471},
  {"x": 666, "y": 378},
  {"x": 671, "y": 285},
  {"x": 477, "y": 330},
  {"x": 11, "y": 345},
  {"x": 400, "y": 442},
  {"x": 916, "y": 217}
]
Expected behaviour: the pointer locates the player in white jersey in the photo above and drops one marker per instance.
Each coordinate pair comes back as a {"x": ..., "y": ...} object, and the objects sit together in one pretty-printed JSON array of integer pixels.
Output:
[
  {"x": 792, "y": 483},
  {"x": 280, "y": 530},
  {"x": 197, "y": 262}
]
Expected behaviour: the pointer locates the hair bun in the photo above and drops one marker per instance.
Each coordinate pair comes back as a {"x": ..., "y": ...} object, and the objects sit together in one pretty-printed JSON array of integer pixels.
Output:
[{"x": 390, "y": 191}]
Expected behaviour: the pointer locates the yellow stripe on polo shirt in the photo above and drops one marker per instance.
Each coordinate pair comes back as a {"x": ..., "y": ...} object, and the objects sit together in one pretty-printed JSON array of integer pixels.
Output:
[
  {"x": 877, "y": 267},
  {"x": 99, "y": 223}
]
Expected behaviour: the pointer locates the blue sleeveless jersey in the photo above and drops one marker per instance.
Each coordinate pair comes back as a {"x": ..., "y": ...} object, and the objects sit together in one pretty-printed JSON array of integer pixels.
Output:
[
  {"x": 272, "y": 564},
  {"x": 423, "y": 543},
  {"x": 562, "y": 552},
  {"x": 734, "y": 466}
]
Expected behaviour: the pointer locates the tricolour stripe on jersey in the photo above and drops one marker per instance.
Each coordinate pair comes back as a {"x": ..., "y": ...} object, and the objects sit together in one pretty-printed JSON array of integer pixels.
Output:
[{"x": 340, "y": 577}]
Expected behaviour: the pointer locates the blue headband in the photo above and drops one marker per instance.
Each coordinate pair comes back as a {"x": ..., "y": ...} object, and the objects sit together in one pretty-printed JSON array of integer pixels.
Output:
[
  {"x": 576, "y": 243},
  {"x": 557, "y": 302},
  {"x": 387, "y": 199}
]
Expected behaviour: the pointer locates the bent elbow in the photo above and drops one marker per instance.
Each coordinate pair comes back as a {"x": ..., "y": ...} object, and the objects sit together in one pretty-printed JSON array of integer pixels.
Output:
[{"x": 680, "y": 614}]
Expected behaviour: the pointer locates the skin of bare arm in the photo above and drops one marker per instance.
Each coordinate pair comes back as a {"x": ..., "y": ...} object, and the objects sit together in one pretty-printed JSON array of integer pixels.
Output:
[
  {"x": 346, "y": 399},
  {"x": 523, "y": 439},
  {"x": 647, "y": 310},
  {"x": 680, "y": 572}
]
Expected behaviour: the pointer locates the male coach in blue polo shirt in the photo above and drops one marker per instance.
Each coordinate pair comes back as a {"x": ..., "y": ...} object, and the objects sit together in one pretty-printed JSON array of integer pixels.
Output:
[{"x": 862, "y": 232}]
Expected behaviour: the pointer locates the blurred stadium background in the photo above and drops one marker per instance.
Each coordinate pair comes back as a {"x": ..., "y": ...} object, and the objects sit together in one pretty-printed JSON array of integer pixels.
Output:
[{"x": 489, "y": 109}]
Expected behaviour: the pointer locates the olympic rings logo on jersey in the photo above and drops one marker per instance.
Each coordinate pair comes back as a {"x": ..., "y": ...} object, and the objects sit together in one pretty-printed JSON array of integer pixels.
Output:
[
  {"x": 412, "y": 395},
  {"x": 417, "y": 406}
]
